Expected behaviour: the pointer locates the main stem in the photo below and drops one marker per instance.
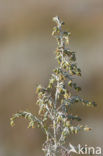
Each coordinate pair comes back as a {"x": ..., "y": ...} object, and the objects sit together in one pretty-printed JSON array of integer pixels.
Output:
[
  {"x": 56, "y": 96},
  {"x": 54, "y": 121}
]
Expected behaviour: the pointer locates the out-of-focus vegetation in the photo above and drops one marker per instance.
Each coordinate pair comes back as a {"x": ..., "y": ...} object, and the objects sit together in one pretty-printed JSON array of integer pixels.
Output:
[{"x": 26, "y": 59}]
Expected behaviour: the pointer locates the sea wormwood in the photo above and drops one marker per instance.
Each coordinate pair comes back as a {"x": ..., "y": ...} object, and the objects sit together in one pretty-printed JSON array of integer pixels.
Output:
[{"x": 55, "y": 100}]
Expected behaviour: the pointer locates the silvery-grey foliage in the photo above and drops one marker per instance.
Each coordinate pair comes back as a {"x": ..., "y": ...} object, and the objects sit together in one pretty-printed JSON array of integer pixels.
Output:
[{"x": 54, "y": 101}]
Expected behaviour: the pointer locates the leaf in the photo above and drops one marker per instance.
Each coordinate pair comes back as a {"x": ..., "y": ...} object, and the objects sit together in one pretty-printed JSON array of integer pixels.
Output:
[{"x": 74, "y": 117}]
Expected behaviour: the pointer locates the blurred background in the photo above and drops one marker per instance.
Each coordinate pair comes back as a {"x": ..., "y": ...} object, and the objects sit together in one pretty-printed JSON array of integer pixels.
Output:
[{"x": 27, "y": 59}]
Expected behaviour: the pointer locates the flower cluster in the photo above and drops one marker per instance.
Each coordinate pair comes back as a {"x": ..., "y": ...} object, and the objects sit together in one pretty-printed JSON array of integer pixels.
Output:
[{"x": 56, "y": 99}]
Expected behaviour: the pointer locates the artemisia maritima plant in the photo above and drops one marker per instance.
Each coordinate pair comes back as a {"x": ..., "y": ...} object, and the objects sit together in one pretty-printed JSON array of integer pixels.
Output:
[{"x": 55, "y": 101}]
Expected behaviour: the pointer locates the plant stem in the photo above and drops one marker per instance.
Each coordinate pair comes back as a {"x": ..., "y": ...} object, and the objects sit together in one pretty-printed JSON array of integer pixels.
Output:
[{"x": 54, "y": 121}]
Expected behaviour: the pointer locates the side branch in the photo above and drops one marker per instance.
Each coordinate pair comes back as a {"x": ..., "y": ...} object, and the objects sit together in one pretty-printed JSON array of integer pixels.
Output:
[{"x": 29, "y": 116}]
